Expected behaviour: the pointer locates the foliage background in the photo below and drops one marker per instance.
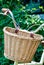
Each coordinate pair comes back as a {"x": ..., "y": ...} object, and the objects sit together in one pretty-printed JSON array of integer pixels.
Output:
[{"x": 25, "y": 19}]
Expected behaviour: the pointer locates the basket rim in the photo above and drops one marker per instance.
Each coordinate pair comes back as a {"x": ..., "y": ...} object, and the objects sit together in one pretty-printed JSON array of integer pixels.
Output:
[{"x": 22, "y": 37}]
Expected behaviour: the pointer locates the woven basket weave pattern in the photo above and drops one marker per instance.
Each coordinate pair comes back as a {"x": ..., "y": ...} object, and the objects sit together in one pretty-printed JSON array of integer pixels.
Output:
[{"x": 19, "y": 49}]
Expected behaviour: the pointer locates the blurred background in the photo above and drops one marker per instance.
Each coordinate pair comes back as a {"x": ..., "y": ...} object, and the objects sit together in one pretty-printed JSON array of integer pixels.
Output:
[{"x": 26, "y": 13}]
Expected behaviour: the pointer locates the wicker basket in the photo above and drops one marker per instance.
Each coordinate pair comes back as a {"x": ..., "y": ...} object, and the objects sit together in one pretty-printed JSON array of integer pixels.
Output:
[{"x": 20, "y": 47}]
